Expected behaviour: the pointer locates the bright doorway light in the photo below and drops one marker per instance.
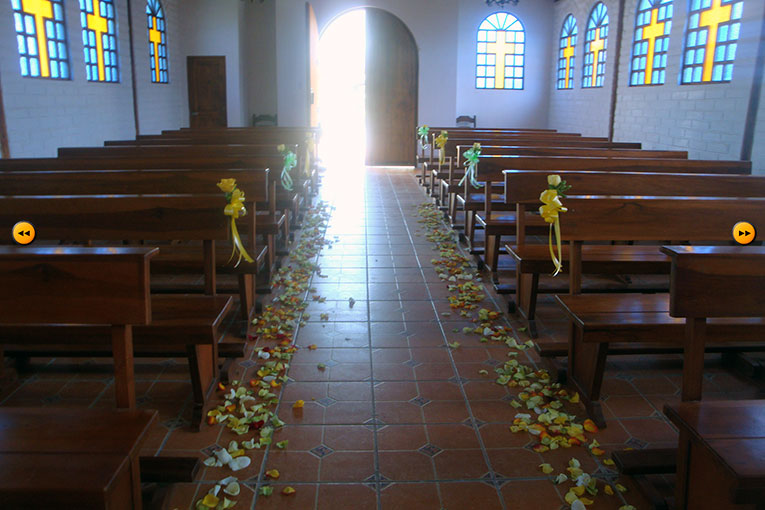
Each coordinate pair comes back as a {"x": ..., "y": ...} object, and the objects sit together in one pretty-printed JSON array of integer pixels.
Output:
[{"x": 342, "y": 78}]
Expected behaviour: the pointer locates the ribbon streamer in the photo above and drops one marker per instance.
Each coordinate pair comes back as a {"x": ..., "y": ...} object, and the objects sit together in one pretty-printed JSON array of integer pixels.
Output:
[
  {"x": 423, "y": 132},
  {"x": 310, "y": 149},
  {"x": 290, "y": 162},
  {"x": 550, "y": 212},
  {"x": 440, "y": 143},
  {"x": 471, "y": 162},
  {"x": 234, "y": 209}
]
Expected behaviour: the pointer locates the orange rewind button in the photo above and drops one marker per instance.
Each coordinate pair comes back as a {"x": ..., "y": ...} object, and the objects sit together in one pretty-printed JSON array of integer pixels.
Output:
[
  {"x": 23, "y": 232},
  {"x": 743, "y": 232}
]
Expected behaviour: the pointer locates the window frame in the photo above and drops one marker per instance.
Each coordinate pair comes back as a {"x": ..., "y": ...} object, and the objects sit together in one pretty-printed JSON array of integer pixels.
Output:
[
  {"x": 597, "y": 79},
  {"x": 486, "y": 62},
  {"x": 692, "y": 34},
  {"x": 154, "y": 9},
  {"x": 112, "y": 71},
  {"x": 574, "y": 34},
  {"x": 645, "y": 9},
  {"x": 60, "y": 42}
]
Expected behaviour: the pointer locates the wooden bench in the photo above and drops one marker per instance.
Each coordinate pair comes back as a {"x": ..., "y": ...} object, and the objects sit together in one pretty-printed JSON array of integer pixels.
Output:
[
  {"x": 72, "y": 458},
  {"x": 225, "y": 157},
  {"x": 721, "y": 444},
  {"x": 524, "y": 187},
  {"x": 497, "y": 215},
  {"x": 598, "y": 320},
  {"x": 166, "y": 218}
]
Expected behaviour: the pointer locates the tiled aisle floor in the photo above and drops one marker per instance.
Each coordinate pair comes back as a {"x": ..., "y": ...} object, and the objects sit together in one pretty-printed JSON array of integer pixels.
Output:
[{"x": 396, "y": 420}]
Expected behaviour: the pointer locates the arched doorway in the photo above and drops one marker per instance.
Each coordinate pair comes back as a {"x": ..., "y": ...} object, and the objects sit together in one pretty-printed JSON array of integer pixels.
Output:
[{"x": 368, "y": 87}]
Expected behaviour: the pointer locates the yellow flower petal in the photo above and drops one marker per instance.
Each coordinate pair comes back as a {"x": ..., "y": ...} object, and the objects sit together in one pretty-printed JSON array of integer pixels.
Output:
[
  {"x": 273, "y": 473},
  {"x": 546, "y": 468},
  {"x": 608, "y": 490},
  {"x": 210, "y": 501},
  {"x": 298, "y": 405},
  {"x": 288, "y": 491}
]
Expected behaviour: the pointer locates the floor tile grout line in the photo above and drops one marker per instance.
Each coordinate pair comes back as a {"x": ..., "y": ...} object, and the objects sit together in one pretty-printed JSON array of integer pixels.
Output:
[
  {"x": 469, "y": 408},
  {"x": 375, "y": 444}
]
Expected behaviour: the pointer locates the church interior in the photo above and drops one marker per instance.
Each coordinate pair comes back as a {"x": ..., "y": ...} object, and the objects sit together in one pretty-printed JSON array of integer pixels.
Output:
[{"x": 442, "y": 254}]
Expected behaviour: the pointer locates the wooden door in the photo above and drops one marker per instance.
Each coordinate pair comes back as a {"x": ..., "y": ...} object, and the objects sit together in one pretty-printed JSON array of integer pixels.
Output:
[
  {"x": 207, "y": 92},
  {"x": 391, "y": 90},
  {"x": 313, "y": 65}
]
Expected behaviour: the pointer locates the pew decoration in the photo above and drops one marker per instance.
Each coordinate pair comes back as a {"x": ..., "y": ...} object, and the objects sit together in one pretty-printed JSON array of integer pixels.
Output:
[
  {"x": 234, "y": 209},
  {"x": 471, "y": 166},
  {"x": 290, "y": 162},
  {"x": 544, "y": 409},
  {"x": 310, "y": 151},
  {"x": 440, "y": 143},
  {"x": 422, "y": 133},
  {"x": 550, "y": 211}
]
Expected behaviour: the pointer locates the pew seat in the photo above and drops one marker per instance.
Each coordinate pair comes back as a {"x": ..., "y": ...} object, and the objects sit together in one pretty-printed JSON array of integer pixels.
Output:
[
  {"x": 596, "y": 259},
  {"x": 601, "y": 321},
  {"x": 178, "y": 324}
]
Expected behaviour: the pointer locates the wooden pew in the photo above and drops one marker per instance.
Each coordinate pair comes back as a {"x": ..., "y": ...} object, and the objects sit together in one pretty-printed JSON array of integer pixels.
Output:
[
  {"x": 524, "y": 187},
  {"x": 154, "y": 217},
  {"x": 547, "y": 140},
  {"x": 498, "y": 218},
  {"x": 254, "y": 184},
  {"x": 81, "y": 286},
  {"x": 257, "y": 187},
  {"x": 721, "y": 443},
  {"x": 254, "y": 156},
  {"x": 597, "y": 321},
  {"x": 66, "y": 458}
]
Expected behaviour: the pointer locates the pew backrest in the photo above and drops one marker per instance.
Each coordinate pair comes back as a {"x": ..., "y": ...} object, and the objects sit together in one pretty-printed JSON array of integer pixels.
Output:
[
  {"x": 717, "y": 281},
  {"x": 69, "y": 285}
]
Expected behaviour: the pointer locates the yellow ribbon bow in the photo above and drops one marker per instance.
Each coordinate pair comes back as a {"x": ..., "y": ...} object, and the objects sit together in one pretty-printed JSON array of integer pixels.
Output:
[
  {"x": 234, "y": 209},
  {"x": 440, "y": 143},
  {"x": 550, "y": 212}
]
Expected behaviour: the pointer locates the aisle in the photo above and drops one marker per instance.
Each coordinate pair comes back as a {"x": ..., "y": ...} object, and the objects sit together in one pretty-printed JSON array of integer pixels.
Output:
[{"x": 393, "y": 416}]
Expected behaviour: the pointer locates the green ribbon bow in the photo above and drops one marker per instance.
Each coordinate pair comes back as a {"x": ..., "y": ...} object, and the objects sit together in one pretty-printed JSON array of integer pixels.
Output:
[
  {"x": 471, "y": 162},
  {"x": 423, "y": 132},
  {"x": 290, "y": 162}
]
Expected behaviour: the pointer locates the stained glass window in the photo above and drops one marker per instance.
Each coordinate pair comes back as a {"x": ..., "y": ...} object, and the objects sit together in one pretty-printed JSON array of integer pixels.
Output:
[
  {"x": 157, "y": 41},
  {"x": 566, "y": 53},
  {"x": 500, "y": 56},
  {"x": 653, "y": 24},
  {"x": 99, "y": 40},
  {"x": 595, "y": 44},
  {"x": 711, "y": 40},
  {"x": 41, "y": 38}
]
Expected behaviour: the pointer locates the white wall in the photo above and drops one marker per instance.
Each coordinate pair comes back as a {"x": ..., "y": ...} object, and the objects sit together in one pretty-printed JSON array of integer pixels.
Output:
[
  {"x": 212, "y": 28},
  {"x": 160, "y": 105},
  {"x": 260, "y": 65},
  {"x": 44, "y": 114},
  {"x": 525, "y": 108},
  {"x": 707, "y": 120}
]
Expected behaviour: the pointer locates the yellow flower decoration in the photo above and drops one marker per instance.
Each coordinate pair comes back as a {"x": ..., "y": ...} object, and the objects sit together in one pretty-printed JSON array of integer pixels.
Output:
[
  {"x": 550, "y": 212},
  {"x": 235, "y": 208}
]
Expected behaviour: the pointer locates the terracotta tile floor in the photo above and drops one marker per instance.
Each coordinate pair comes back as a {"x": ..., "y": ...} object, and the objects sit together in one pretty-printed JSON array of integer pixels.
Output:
[{"x": 395, "y": 420}]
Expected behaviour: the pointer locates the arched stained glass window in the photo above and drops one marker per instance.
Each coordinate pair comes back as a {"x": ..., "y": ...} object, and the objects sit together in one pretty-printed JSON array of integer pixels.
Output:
[
  {"x": 99, "y": 39},
  {"x": 711, "y": 40},
  {"x": 41, "y": 38},
  {"x": 595, "y": 45},
  {"x": 500, "y": 56},
  {"x": 566, "y": 53},
  {"x": 653, "y": 24},
  {"x": 157, "y": 41}
]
